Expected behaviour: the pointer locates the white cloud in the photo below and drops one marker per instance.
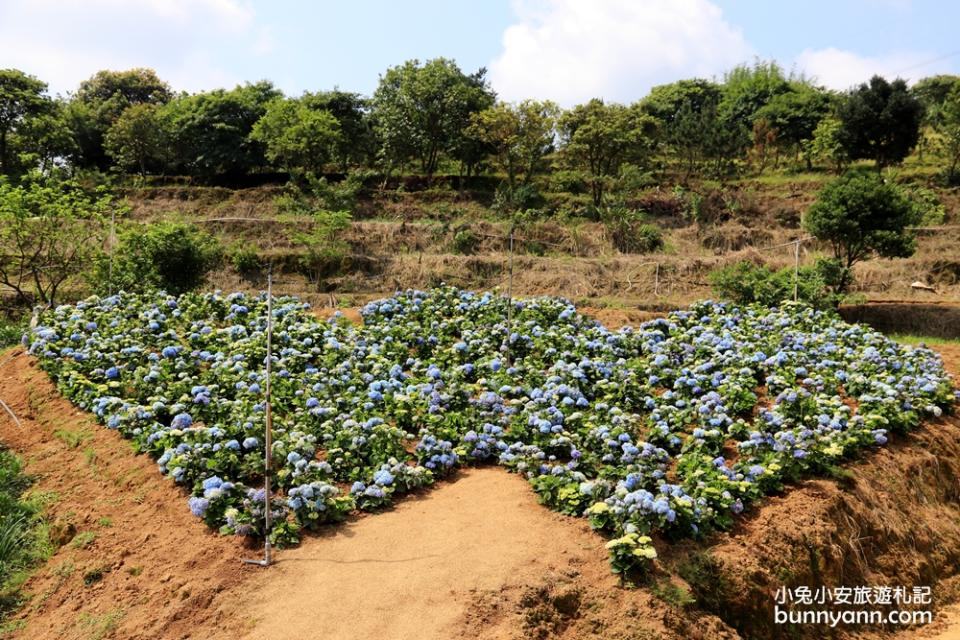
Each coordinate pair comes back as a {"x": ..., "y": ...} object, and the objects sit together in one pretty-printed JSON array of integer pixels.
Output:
[
  {"x": 574, "y": 50},
  {"x": 840, "y": 69},
  {"x": 189, "y": 43}
]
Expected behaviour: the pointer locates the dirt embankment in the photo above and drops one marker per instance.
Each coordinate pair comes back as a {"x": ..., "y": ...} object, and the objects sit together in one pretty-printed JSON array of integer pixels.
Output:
[{"x": 475, "y": 557}]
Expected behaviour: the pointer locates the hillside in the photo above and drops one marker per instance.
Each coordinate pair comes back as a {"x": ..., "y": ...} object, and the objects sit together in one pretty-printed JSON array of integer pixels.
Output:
[{"x": 403, "y": 238}]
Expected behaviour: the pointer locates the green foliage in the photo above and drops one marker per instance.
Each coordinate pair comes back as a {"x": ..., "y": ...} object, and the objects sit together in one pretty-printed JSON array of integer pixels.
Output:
[
  {"x": 703, "y": 142},
  {"x": 245, "y": 259},
  {"x": 861, "y": 215},
  {"x": 23, "y": 104},
  {"x": 11, "y": 330},
  {"x": 356, "y": 144},
  {"x": 948, "y": 126},
  {"x": 23, "y": 536},
  {"x": 598, "y": 138},
  {"x": 465, "y": 242},
  {"x": 880, "y": 121},
  {"x": 212, "y": 130},
  {"x": 827, "y": 144},
  {"x": 631, "y": 554},
  {"x": 139, "y": 139},
  {"x": 171, "y": 256},
  {"x": 665, "y": 101},
  {"x": 746, "y": 282},
  {"x": 421, "y": 111},
  {"x": 49, "y": 232},
  {"x": 101, "y": 100},
  {"x": 296, "y": 137},
  {"x": 629, "y": 232},
  {"x": 520, "y": 135},
  {"x": 930, "y": 211},
  {"x": 323, "y": 250}
]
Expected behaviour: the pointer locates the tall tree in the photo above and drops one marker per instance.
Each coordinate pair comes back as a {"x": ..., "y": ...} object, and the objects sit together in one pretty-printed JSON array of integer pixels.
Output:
[
  {"x": 881, "y": 121},
  {"x": 299, "y": 139},
  {"x": 861, "y": 215},
  {"x": 99, "y": 102},
  {"x": 421, "y": 111},
  {"x": 794, "y": 115},
  {"x": 598, "y": 138},
  {"x": 23, "y": 99},
  {"x": 139, "y": 139},
  {"x": 520, "y": 135},
  {"x": 211, "y": 130},
  {"x": 665, "y": 101},
  {"x": 356, "y": 144}
]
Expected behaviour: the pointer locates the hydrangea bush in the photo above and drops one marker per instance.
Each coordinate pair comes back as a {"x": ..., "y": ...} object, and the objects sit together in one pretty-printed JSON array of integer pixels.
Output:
[{"x": 671, "y": 428}]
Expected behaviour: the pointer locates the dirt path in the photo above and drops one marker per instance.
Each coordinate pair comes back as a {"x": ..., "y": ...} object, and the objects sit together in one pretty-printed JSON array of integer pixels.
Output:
[{"x": 433, "y": 553}]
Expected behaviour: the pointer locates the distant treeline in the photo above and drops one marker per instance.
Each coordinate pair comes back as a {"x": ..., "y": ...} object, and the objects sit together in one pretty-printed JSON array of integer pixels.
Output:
[{"x": 431, "y": 117}]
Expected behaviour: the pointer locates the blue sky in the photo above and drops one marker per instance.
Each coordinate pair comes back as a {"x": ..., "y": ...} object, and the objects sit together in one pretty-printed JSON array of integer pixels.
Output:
[{"x": 566, "y": 50}]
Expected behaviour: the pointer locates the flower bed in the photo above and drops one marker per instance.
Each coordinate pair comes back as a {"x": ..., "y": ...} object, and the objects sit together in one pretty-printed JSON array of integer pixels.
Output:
[{"x": 672, "y": 428}]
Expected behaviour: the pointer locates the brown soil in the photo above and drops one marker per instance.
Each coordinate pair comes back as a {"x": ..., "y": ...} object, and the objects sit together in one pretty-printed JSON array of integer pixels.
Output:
[
  {"x": 476, "y": 557},
  {"x": 134, "y": 563}
]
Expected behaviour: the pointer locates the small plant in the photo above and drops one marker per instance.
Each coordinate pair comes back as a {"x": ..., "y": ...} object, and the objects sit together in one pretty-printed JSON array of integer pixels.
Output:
[
  {"x": 631, "y": 554},
  {"x": 95, "y": 574},
  {"x": 465, "y": 242},
  {"x": 105, "y": 522},
  {"x": 245, "y": 259},
  {"x": 73, "y": 439},
  {"x": 83, "y": 539}
]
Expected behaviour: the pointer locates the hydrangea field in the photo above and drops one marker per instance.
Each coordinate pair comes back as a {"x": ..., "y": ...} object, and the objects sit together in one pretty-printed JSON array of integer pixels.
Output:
[{"x": 671, "y": 428}]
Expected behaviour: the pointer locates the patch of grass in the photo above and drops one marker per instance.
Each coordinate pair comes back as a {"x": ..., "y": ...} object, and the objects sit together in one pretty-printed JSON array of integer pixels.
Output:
[
  {"x": 707, "y": 583},
  {"x": 83, "y": 539},
  {"x": 90, "y": 456},
  {"x": 672, "y": 593},
  {"x": 930, "y": 341},
  {"x": 105, "y": 522},
  {"x": 72, "y": 439},
  {"x": 135, "y": 571},
  {"x": 24, "y": 536},
  {"x": 100, "y": 626}
]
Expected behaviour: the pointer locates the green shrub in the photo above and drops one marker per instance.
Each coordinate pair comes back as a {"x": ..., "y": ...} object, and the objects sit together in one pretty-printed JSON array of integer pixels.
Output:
[
  {"x": 24, "y": 542},
  {"x": 170, "y": 256},
  {"x": 465, "y": 242},
  {"x": 11, "y": 330},
  {"x": 324, "y": 252},
  {"x": 628, "y": 231},
  {"x": 929, "y": 209},
  {"x": 746, "y": 282},
  {"x": 245, "y": 259}
]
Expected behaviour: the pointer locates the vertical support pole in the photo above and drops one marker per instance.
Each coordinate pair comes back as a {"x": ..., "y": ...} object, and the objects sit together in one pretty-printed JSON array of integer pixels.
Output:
[
  {"x": 796, "y": 269},
  {"x": 268, "y": 439},
  {"x": 656, "y": 281},
  {"x": 112, "y": 241},
  {"x": 510, "y": 298},
  {"x": 268, "y": 435}
]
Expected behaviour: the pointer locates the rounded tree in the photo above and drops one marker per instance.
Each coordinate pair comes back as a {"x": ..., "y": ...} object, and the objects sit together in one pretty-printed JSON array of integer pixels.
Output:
[{"x": 862, "y": 215}]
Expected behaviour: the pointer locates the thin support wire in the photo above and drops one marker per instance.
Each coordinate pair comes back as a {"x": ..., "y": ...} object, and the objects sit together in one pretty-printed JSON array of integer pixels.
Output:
[{"x": 268, "y": 437}]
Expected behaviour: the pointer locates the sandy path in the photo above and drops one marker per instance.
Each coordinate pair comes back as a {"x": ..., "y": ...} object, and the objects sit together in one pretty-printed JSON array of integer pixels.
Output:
[{"x": 411, "y": 572}]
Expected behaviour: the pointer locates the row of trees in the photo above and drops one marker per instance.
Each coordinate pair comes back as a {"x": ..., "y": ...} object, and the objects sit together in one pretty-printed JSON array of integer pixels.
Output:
[{"x": 431, "y": 117}]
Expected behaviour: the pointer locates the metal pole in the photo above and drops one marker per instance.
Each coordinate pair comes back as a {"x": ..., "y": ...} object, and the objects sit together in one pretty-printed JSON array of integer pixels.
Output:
[
  {"x": 796, "y": 269},
  {"x": 268, "y": 444},
  {"x": 510, "y": 299},
  {"x": 111, "y": 241},
  {"x": 656, "y": 281}
]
